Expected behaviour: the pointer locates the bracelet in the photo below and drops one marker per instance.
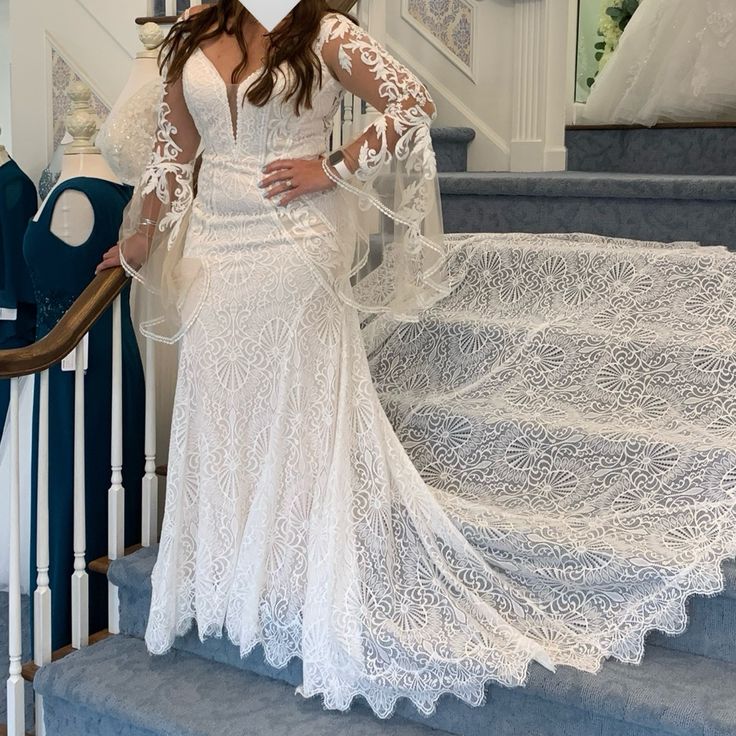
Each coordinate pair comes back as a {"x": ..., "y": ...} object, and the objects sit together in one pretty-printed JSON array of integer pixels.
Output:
[
  {"x": 149, "y": 222},
  {"x": 336, "y": 172}
]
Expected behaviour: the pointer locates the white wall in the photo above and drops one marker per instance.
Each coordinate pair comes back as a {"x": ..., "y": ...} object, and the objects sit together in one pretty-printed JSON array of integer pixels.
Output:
[
  {"x": 514, "y": 95},
  {"x": 99, "y": 40},
  {"x": 482, "y": 102}
]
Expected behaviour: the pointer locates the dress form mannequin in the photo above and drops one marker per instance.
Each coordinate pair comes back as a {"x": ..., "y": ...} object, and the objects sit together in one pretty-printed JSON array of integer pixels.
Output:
[
  {"x": 145, "y": 66},
  {"x": 73, "y": 217},
  {"x": 126, "y": 136}
]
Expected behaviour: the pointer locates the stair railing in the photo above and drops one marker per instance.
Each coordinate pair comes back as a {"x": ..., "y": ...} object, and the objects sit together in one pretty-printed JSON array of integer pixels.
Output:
[{"x": 64, "y": 339}]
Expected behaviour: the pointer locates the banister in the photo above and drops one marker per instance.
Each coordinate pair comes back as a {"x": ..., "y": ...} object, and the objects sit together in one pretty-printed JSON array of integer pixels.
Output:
[
  {"x": 343, "y": 6},
  {"x": 71, "y": 328}
]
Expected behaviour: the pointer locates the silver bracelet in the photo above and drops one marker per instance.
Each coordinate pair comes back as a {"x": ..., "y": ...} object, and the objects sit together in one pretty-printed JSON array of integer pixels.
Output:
[{"x": 149, "y": 222}]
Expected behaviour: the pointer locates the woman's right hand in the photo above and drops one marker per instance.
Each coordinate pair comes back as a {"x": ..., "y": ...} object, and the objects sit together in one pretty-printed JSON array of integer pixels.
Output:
[
  {"x": 111, "y": 259},
  {"x": 136, "y": 253}
]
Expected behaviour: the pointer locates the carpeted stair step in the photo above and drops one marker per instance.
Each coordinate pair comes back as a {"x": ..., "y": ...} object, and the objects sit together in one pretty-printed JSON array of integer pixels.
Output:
[
  {"x": 706, "y": 149},
  {"x": 451, "y": 147},
  {"x": 116, "y": 688},
  {"x": 673, "y": 693},
  {"x": 711, "y": 631},
  {"x": 647, "y": 207}
]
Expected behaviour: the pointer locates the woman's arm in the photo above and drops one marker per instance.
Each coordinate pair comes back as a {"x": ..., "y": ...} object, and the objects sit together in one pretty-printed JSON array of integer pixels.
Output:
[
  {"x": 367, "y": 70},
  {"x": 164, "y": 192}
]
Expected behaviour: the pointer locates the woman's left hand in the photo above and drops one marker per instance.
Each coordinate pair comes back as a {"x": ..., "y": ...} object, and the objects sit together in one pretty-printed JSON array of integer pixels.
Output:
[{"x": 294, "y": 178}]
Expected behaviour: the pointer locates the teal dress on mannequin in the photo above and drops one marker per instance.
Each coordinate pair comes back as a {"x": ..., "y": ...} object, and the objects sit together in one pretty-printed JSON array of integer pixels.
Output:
[
  {"x": 18, "y": 204},
  {"x": 60, "y": 273}
]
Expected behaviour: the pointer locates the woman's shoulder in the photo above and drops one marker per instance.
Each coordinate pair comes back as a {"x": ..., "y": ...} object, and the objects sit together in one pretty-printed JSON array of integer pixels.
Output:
[{"x": 334, "y": 24}]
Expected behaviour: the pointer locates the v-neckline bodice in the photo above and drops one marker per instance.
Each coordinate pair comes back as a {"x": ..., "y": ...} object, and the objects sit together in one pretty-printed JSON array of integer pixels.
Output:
[{"x": 227, "y": 84}]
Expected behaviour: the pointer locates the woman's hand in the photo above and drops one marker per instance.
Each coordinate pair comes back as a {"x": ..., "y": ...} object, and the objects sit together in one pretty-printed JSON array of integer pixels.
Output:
[
  {"x": 111, "y": 259},
  {"x": 136, "y": 253},
  {"x": 294, "y": 178}
]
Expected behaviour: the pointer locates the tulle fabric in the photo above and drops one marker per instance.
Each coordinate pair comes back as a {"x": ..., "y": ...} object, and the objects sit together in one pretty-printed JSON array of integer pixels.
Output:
[{"x": 674, "y": 62}]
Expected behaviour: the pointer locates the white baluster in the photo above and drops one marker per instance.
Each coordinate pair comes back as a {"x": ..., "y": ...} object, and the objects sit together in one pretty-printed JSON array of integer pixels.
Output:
[
  {"x": 116, "y": 493},
  {"x": 80, "y": 579},
  {"x": 149, "y": 531},
  {"x": 170, "y": 7},
  {"x": 42, "y": 595},
  {"x": 16, "y": 686}
]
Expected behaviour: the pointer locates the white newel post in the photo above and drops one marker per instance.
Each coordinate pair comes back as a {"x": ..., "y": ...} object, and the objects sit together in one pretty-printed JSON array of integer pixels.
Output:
[
  {"x": 16, "y": 686},
  {"x": 80, "y": 580},
  {"x": 149, "y": 530},
  {"x": 116, "y": 493},
  {"x": 539, "y": 85},
  {"x": 42, "y": 594}
]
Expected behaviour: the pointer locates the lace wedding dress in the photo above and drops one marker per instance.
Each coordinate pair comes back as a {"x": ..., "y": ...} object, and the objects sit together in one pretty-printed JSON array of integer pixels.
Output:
[
  {"x": 674, "y": 62},
  {"x": 562, "y": 475}
]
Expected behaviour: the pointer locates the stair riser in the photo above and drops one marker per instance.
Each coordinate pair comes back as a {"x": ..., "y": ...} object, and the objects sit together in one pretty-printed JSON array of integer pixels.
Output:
[
  {"x": 509, "y": 713},
  {"x": 709, "y": 222},
  {"x": 702, "y": 151},
  {"x": 711, "y": 633},
  {"x": 451, "y": 156}
]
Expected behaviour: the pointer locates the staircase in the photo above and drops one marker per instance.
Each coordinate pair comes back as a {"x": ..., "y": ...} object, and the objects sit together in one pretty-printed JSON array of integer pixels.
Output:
[
  {"x": 665, "y": 184},
  {"x": 685, "y": 685}
]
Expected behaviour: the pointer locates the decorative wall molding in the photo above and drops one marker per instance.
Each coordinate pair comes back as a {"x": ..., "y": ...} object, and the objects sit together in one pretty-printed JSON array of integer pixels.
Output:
[
  {"x": 540, "y": 76},
  {"x": 450, "y": 26},
  {"x": 63, "y": 71}
]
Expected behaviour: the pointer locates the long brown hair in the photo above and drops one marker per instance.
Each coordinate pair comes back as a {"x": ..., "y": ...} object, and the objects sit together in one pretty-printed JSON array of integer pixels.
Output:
[{"x": 291, "y": 43}]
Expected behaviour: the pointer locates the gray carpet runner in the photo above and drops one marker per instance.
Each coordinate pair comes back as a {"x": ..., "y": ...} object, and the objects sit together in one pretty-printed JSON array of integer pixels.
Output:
[
  {"x": 639, "y": 206},
  {"x": 672, "y": 693},
  {"x": 708, "y": 150}
]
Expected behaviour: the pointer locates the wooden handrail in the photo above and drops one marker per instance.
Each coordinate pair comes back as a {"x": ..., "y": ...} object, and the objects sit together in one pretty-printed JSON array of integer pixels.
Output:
[
  {"x": 166, "y": 20},
  {"x": 70, "y": 330}
]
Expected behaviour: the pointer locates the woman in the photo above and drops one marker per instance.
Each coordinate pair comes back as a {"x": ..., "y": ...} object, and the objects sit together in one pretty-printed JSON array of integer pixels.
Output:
[
  {"x": 294, "y": 517},
  {"x": 674, "y": 62}
]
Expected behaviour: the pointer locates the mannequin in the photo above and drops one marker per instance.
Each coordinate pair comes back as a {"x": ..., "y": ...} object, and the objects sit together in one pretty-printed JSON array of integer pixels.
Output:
[
  {"x": 73, "y": 217},
  {"x": 145, "y": 66},
  {"x": 126, "y": 137},
  {"x": 18, "y": 202},
  {"x": 77, "y": 223}
]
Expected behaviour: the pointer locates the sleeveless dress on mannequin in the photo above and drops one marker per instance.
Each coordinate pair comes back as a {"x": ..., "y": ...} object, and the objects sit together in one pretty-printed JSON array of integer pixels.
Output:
[
  {"x": 60, "y": 273},
  {"x": 18, "y": 203},
  {"x": 674, "y": 62},
  {"x": 561, "y": 476}
]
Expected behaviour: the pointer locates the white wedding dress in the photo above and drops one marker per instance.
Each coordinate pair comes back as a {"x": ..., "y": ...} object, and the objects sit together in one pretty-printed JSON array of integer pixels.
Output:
[
  {"x": 674, "y": 62},
  {"x": 573, "y": 491}
]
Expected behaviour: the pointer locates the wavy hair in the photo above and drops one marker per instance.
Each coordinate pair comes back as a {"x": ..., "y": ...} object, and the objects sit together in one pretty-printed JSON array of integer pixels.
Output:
[{"x": 290, "y": 43}]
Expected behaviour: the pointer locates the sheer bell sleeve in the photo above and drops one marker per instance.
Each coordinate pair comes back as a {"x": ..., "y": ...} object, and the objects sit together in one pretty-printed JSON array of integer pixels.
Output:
[
  {"x": 156, "y": 221},
  {"x": 394, "y": 187}
]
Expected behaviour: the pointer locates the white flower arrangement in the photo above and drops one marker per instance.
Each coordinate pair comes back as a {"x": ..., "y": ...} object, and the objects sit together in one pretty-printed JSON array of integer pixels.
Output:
[{"x": 615, "y": 16}]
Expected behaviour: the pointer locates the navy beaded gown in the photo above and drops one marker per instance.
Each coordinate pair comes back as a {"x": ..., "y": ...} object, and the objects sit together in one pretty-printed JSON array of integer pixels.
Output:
[
  {"x": 18, "y": 204},
  {"x": 60, "y": 273}
]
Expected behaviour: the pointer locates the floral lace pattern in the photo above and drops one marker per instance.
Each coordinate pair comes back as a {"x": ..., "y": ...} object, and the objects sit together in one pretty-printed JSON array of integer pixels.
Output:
[{"x": 562, "y": 472}]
